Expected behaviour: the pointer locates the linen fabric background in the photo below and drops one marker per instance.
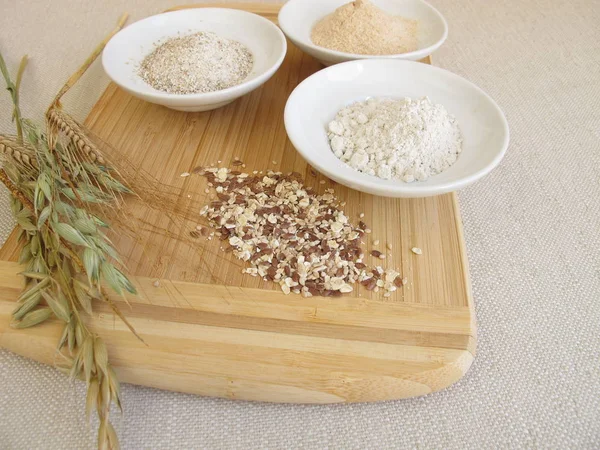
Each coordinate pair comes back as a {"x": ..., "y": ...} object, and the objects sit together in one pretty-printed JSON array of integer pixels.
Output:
[{"x": 532, "y": 231}]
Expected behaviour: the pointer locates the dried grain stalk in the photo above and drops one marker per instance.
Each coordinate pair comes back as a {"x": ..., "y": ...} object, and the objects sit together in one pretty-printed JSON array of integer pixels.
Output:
[
  {"x": 63, "y": 185},
  {"x": 56, "y": 194}
]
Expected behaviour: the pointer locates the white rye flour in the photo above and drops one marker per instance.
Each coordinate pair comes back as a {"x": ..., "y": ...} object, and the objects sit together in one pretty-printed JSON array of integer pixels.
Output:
[{"x": 407, "y": 139}]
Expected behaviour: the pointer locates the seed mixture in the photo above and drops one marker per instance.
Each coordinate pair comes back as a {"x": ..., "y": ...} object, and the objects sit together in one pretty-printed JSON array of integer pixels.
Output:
[
  {"x": 407, "y": 139},
  {"x": 290, "y": 235},
  {"x": 361, "y": 27},
  {"x": 199, "y": 62}
]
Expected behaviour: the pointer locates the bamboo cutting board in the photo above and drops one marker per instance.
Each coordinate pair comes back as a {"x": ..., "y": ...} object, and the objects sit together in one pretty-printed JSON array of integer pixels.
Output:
[{"x": 211, "y": 330}]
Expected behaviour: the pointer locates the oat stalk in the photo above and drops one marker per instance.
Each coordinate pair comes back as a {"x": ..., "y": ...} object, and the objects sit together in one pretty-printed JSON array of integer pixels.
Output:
[{"x": 13, "y": 89}]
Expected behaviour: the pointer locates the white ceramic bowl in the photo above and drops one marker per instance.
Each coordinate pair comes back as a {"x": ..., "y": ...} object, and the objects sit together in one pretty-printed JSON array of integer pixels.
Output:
[
  {"x": 298, "y": 17},
  {"x": 127, "y": 49},
  {"x": 316, "y": 101}
]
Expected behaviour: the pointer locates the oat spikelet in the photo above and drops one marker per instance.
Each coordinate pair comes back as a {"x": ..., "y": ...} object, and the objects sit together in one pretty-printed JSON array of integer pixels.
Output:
[{"x": 59, "y": 121}]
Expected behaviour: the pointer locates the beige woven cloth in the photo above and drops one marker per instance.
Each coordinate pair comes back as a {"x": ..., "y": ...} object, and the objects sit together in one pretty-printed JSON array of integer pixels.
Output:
[{"x": 533, "y": 237}]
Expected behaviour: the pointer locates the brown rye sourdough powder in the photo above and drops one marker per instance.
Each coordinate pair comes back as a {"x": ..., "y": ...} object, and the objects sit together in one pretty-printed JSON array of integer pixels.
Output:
[{"x": 361, "y": 27}]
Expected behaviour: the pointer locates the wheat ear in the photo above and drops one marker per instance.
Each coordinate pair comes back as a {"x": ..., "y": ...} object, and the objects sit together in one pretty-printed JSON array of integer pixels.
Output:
[
  {"x": 58, "y": 120},
  {"x": 19, "y": 152}
]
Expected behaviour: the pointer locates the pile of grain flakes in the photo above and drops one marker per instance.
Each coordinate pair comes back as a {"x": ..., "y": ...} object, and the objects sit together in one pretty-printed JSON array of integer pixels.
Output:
[{"x": 291, "y": 235}]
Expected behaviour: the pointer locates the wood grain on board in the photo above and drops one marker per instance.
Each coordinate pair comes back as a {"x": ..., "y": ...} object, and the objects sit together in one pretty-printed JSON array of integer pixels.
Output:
[{"x": 212, "y": 330}]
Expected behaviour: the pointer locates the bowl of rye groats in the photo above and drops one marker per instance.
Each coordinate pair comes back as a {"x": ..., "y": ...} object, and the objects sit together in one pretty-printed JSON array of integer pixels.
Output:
[
  {"x": 335, "y": 31},
  {"x": 195, "y": 60}
]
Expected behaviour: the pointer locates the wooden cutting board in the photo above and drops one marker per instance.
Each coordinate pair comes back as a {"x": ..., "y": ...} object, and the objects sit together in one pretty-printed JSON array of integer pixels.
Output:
[{"x": 213, "y": 331}]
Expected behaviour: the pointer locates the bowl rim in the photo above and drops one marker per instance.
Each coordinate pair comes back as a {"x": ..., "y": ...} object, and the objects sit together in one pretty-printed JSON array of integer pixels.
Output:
[
  {"x": 214, "y": 96},
  {"x": 415, "y": 189},
  {"x": 419, "y": 53}
]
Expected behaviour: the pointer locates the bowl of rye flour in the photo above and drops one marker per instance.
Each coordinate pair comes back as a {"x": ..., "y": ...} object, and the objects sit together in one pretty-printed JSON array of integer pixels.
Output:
[
  {"x": 396, "y": 128},
  {"x": 335, "y": 31}
]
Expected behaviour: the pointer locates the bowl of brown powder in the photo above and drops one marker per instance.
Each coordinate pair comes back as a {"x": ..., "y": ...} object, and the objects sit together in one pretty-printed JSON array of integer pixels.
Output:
[
  {"x": 195, "y": 60},
  {"x": 335, "y": 31}
]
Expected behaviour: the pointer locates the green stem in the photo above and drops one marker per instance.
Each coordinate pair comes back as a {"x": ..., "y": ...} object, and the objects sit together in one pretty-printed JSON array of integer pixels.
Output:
[{"x": 14, "y": 92}]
